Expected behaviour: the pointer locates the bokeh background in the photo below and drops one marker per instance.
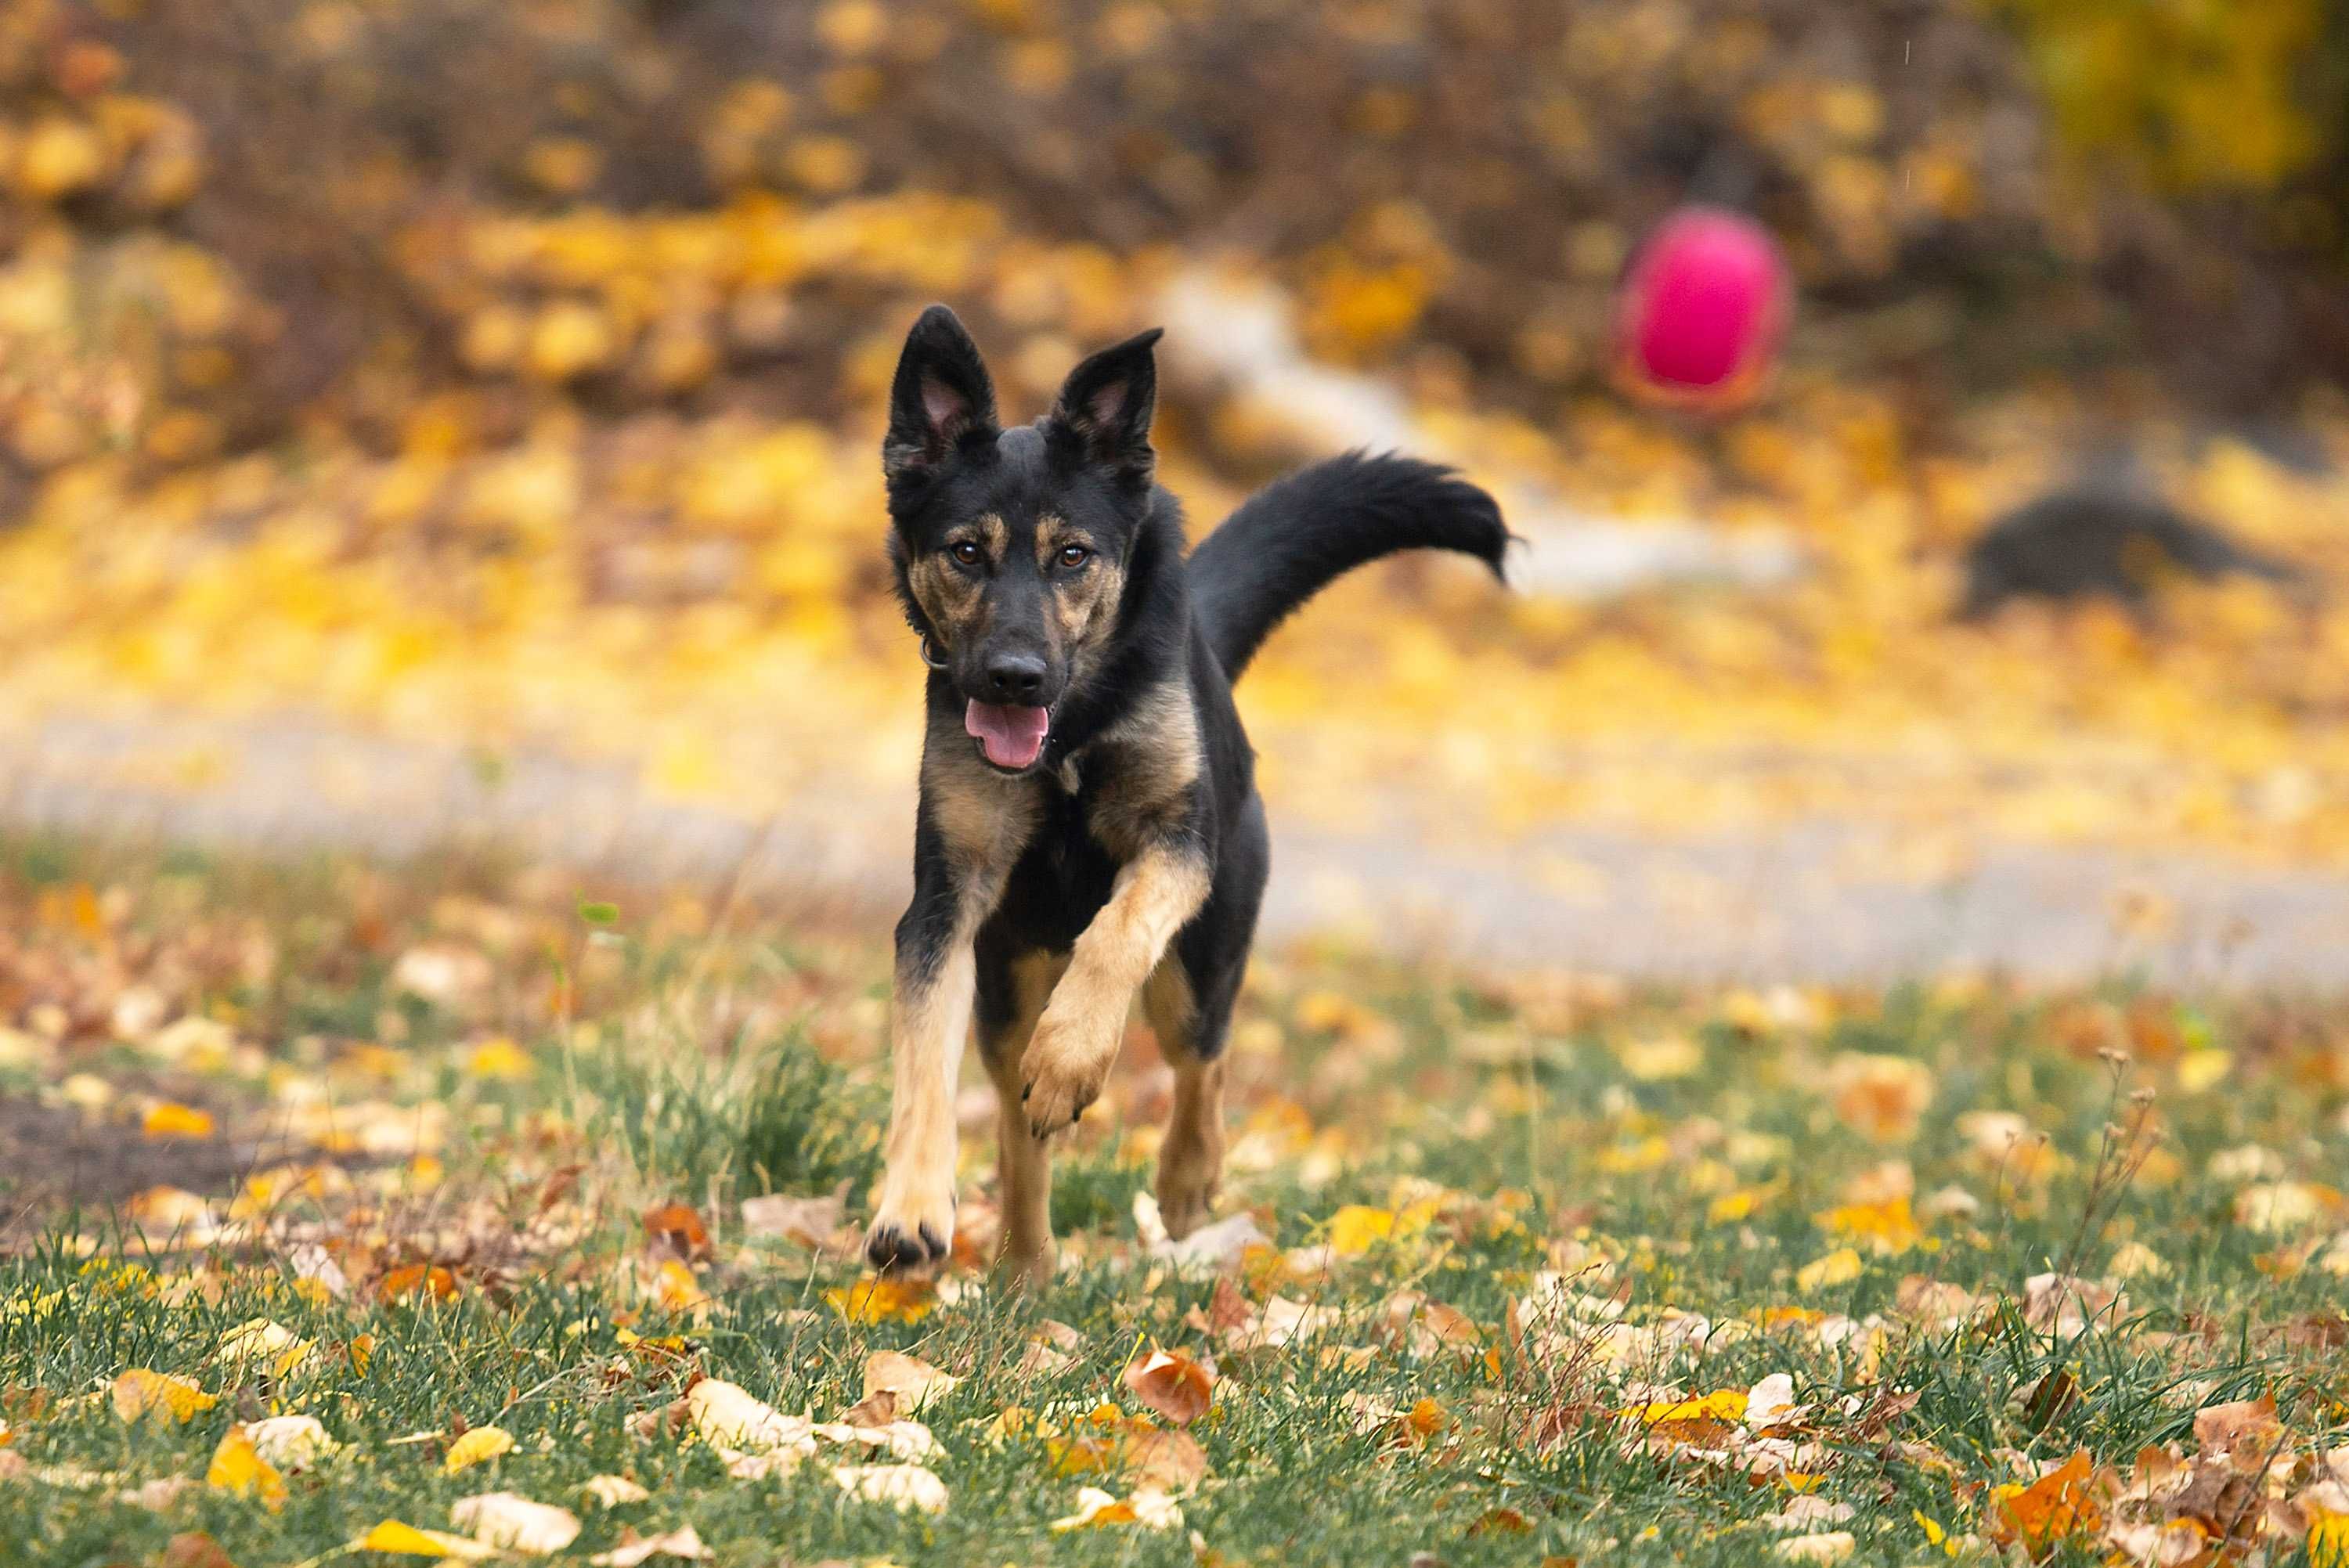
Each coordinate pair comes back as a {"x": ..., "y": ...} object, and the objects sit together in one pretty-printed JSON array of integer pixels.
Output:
[{"x": 446, "y": 420}]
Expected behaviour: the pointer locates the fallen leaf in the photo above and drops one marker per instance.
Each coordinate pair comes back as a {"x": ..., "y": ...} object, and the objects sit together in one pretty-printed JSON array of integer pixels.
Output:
[
  {"x": 675, "y": 1287},
  {"x": 399, "y": 1283},
  {"x": 407, "y": 1541},
  {"x": 171, "y": 1121},
  {"x": 913, "y": 1382},
  {"x": 727, "y": 1416},
  {"x": 291, "y": 1442},
  {"x": 194, "y": 1549},
  {"x": 1173, "y": 1385},
  {"x": 516, "y": 1524},
  {"x": 2245, "y": 1431},
  {"x": 2058, "y": 1505},
  {"x": 902, "y": 1486},
  {"x": 237, "y": 1467},
  {"x": 477, "y": 1446},
  {"x": 614, "y": 1490},
  {"x": 1833, "y": 1546},
  {"x": 1839, "y": 1267},
  {"x": 674, "y": 1230},
  {"x": 683, "y": 1542},
  {"x": 139, "y": 1392},
  {"x": 886, "y": 1299},
  {"x": 1149, "y": 1507},
  {"x": 259, "y": 1345}
]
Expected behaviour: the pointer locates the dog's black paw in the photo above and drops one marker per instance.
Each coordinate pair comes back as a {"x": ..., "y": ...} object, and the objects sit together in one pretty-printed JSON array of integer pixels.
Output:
[{"x": 888, "y": 1248}]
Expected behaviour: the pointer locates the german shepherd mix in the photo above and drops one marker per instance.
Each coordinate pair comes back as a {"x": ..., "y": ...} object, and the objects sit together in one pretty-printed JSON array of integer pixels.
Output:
[{"x": 1089, "y": 828}]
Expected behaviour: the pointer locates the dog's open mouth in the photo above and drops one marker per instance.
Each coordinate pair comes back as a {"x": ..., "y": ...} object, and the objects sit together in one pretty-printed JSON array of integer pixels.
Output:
[{"x": 1012, "y": 737}]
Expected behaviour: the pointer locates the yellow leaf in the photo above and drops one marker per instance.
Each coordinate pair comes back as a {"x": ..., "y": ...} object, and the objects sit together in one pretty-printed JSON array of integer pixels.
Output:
[
  {"x": 1839, "y": 1267},
  {"x": 272, "y": 1348},
  {"x": 1722, "y": 1404},
  {"x": 677, "y": 1290},
  {"x": 499, "y": 1059},
  {"x": 885, "y": 1299},
  {"x": 1354, "y": 1228},
  {"x": 477, "y": 1447},
  {"x": 237, "y": 1466},
  {"x": 139, "y": 1391},
  {"x": 170, "y": 1119},
  {"x": 407, "y": 1541}
]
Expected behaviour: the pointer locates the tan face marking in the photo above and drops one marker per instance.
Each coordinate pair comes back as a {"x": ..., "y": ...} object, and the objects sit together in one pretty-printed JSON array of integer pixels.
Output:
[
  {"x": 954, "y": 600},
  {"x": 1084, "y": 600}
]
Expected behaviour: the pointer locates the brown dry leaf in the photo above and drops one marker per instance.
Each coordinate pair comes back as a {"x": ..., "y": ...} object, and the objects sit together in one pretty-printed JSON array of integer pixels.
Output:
[
  {"x": 516, "y": 1524},
  {"x": 913, "y": 1382},
  {"x": 194, "y": 1549},
  {"x": 1171, "y": 1460},
  {"x": 1170, "y": 1383},
  {"x": 872, "y": 1411},
  {"x": 2245, "y": 1432}
]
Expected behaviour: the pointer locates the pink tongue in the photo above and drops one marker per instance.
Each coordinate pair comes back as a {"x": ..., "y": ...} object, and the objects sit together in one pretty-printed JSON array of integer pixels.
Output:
[{"x": 1013, "y": 736}]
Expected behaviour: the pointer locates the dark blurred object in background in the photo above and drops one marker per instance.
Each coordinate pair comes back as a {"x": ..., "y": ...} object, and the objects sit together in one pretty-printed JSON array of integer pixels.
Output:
[{"x": 2103, "y": 537}]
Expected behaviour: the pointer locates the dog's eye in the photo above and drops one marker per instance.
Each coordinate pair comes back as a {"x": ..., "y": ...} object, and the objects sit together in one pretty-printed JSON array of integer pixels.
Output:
[
  {"x": 964, "y": 551},
  {"x": 1073, "y": 556}
]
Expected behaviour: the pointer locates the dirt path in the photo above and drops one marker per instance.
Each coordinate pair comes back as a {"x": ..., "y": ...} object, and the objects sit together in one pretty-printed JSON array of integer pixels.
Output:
[{"x": 1820, "y": 900}]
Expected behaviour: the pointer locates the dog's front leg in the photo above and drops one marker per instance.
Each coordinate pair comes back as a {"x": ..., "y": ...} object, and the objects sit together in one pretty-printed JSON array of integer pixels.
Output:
[
  {"x": 913, "y": 1223},
  {"x": 1076, "y": 1039}
]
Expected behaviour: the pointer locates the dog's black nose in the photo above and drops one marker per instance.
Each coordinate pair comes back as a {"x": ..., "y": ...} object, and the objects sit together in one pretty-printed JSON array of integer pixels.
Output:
[{"x": 1014, "y": 678}]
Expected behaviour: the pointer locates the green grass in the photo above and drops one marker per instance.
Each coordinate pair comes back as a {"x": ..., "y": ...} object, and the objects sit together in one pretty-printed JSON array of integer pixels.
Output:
[{"x": 668, "y": 1062}]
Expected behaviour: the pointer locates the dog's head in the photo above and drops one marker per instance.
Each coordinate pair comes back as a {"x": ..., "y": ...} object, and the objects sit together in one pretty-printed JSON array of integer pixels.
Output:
[{"x": 1011, "y": 547}]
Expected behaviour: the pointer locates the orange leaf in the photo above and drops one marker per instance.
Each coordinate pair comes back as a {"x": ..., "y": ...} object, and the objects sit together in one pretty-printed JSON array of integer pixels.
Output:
[
  {"x": 1173, "y": 1385},
  {"x": 401, "y": 1283},
  {"x": 678, "y": 1230},
  {"x": 2058, "y": 1505}
]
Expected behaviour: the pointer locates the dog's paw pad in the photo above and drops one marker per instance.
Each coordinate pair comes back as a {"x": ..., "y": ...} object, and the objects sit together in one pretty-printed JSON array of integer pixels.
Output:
[{"x": 910, "y": 1237}]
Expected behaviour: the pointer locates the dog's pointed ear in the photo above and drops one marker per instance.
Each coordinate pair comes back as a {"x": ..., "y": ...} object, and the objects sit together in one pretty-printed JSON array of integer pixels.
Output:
[
  {"x": 1106, "y": 404},
  {"x": 940, "y": 394}
]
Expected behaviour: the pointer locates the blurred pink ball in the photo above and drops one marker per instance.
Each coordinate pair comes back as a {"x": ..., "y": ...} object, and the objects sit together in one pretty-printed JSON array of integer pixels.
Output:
[{"x": 1704, "y": 307}]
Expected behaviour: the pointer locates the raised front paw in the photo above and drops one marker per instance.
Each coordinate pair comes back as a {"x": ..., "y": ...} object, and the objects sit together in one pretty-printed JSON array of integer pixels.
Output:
[
  {"x": 913, "y": 1228},
  {"x": 1067, "y": 1064}
]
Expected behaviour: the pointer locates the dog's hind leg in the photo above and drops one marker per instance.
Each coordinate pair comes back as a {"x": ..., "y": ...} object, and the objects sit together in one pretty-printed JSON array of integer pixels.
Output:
[
  {"x": 1011, "y": 993},
  {"x": 1191, "y": 1037}
]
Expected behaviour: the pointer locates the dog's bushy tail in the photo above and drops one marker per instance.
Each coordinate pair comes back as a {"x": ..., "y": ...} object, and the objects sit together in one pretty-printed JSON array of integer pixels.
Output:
[{"x": 1289, "y": 540}]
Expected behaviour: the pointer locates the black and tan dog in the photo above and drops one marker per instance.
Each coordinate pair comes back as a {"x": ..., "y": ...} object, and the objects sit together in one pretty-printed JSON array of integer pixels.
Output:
[{"x": 1089, "y": 829}]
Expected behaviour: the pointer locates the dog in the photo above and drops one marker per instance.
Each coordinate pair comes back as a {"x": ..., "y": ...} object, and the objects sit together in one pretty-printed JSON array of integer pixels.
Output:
[{"x": 1088, "y": 830}]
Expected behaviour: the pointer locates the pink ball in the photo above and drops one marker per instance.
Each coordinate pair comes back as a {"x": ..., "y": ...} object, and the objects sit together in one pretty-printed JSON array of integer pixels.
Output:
[{"x": 1704, "y": 307}]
